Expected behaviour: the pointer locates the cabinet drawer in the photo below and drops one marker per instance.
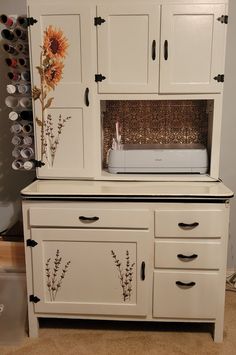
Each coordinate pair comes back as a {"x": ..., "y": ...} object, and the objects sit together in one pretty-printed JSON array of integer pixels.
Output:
[
  {"x": 192, "y": 254},
  {"x": 175, "y": 301},
  {"x": 189, "y": 223},
  {"x": 89, "y": 218}
]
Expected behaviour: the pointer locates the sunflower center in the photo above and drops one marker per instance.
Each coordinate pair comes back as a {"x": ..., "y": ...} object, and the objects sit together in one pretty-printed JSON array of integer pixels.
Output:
[{"x": 54, "y": 45}]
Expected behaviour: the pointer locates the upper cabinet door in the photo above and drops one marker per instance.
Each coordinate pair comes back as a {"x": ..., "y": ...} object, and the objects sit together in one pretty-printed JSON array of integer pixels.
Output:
[
  {"x": 128, "y": 48},
  {"x": 192, "y": 48},
  {"x": 61, "y": 83}
]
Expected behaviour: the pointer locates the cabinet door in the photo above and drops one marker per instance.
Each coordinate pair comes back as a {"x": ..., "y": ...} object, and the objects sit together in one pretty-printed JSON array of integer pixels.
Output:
[
  {"x": 128, "y": 48},
  {"x": 192, "y": 48},
  {"x": 99, "y": 272},
  {"x": 61, "y": 66}
]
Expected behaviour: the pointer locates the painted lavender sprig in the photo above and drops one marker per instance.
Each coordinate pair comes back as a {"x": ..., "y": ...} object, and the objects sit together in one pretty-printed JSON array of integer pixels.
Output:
[
  {"x": 125, "y": 275},
  {"x": 54, "y": 281},
  {"x": 53, "y": 139}
]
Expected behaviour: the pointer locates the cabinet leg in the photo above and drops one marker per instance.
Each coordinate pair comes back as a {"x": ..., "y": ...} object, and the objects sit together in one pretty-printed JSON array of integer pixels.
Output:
[
  {"x": 33, "y": 326},
  {"x": 218, "y": 331}
]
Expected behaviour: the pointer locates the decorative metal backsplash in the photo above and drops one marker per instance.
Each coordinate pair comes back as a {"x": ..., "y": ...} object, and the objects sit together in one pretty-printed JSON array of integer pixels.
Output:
[{"x": 156, "y": 122}]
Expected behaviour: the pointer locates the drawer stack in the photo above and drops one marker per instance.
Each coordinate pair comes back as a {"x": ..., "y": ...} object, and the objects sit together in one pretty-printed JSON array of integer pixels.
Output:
[{"x": 188, "y": 260}]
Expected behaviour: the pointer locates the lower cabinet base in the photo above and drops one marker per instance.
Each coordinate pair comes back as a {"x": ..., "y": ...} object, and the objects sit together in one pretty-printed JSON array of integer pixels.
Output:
[{"x": 216, "y": 327}]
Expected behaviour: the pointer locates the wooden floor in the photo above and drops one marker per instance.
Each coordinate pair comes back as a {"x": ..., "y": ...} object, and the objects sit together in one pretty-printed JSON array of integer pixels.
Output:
[{"x": 76, "y": 337}]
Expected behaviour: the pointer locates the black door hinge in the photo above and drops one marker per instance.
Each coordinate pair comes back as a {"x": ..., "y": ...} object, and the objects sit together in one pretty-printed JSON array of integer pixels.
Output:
[
  {"x": 38, "y": 163},
  {"x": 31, "y": 21},
  {"x": 223, "y": 19},
  {"x": 99, "y": 77},
  {"x": 98, "y": 21},
  {"x": 34, "y": 299},
  {"x": 220, "y": 78},
  {"x": 31, "y": 243}
]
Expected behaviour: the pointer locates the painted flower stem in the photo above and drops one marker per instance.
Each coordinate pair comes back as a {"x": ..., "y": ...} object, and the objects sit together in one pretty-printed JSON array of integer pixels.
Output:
[
  {"x": 125, "y": 275},
  {"x": 54, "y": 281},
  {"x": 50, "y": 70}
]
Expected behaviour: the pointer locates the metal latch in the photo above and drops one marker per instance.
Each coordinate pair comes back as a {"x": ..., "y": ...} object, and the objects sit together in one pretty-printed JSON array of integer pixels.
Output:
[
  {"x": 98, "y": 21},
  {"x": 223, "y": 19},
  {"x": 220, "y": 78},
  {"x": 99, "y": 77},
  {"x": 31, "y": 243}
]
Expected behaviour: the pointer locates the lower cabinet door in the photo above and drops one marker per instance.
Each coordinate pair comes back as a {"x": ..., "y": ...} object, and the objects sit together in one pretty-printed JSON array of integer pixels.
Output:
[
  {"x": 185, "y": 294},
  {"x": 92, "y": 272}
]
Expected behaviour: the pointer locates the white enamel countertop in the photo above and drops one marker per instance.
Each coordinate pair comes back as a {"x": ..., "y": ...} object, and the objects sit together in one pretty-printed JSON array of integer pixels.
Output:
[{"x": 67, "y": 189}]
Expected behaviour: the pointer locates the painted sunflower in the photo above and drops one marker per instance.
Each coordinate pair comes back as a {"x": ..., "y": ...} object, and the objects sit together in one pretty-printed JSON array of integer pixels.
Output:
[
  {"x": 53, "y": 74},
  {"x": 55, "y": 43}
]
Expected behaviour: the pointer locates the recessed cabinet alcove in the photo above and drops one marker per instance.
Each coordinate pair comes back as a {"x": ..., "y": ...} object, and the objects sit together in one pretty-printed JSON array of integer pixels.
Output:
[{"x": 157, "y": 125}]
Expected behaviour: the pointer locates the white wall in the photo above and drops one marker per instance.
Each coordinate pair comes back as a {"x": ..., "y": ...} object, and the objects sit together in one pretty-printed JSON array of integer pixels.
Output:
[
  {"x": 11, "y": 182},
  {"x": 228, "y": 147}
]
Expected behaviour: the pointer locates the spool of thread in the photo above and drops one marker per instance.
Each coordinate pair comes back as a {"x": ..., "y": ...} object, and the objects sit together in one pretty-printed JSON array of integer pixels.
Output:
[
  {"x": 22, "y": 21},
  {"x": 29, "y": 165},
  {"x": 20, "y": 33},
  {"x": 23, "y": 62},
  {"x": 11, "y": 101},
  {"x": 27, "y": 152},
  {"x": 26, "y": 115},
  {"x": 28, "y": 140},
  {"x": 25, "y": 102},
  {"x": 16, "y": 128},
  {"x": 22, "y": 48},
  {"x": 11, "y": 62},
  {"x": 8, "y": 35},
  {"x": 11, "y": 89},
  {"x": 27, "y": 127},
  {"x": 9, "y": 49},
  {"x": 25, "y": 75},
  {"x": 8, "y": 21},
  {"x": 16, "y": 152},
  {"x": 14, "y": 76},
  {"x": 17, "y": 140},
  {"x": 23, "y": 88},
  {"x": 13, "y": 116},
  {"x": 17, "y": 164}
]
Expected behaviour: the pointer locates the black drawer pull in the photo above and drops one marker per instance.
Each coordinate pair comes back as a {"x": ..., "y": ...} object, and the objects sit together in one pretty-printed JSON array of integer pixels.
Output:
[
  {"x": 187, "y": 257},
  {"x": 185, "y": 284},
  {"x": 153, "y": 49},
  {"x": 88, "y": 219},
  {"x": 166, "y": 50},
  {"x": 86, "y": 96},
  {"x": 143, "y": 271},
  {"x": 188, "y": 226}
]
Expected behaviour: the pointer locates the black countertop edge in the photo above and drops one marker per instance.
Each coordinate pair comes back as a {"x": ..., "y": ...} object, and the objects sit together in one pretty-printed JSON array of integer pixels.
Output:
[{"x": 115, "y": 198}]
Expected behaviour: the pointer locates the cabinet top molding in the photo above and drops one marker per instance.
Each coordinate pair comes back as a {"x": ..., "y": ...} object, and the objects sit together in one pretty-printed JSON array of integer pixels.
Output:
[
  {"x": 69, "y": 189},
  {"x": 99, "y": 2}
]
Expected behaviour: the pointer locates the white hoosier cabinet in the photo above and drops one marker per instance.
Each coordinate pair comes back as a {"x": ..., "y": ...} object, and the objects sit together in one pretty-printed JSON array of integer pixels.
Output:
[{"x": 128, "y": 218}]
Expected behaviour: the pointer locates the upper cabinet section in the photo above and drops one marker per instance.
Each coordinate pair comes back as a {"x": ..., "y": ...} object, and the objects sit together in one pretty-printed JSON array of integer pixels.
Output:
[
  {"x": 192, "y": 48},
  {"x": 128, "y": 48}
]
